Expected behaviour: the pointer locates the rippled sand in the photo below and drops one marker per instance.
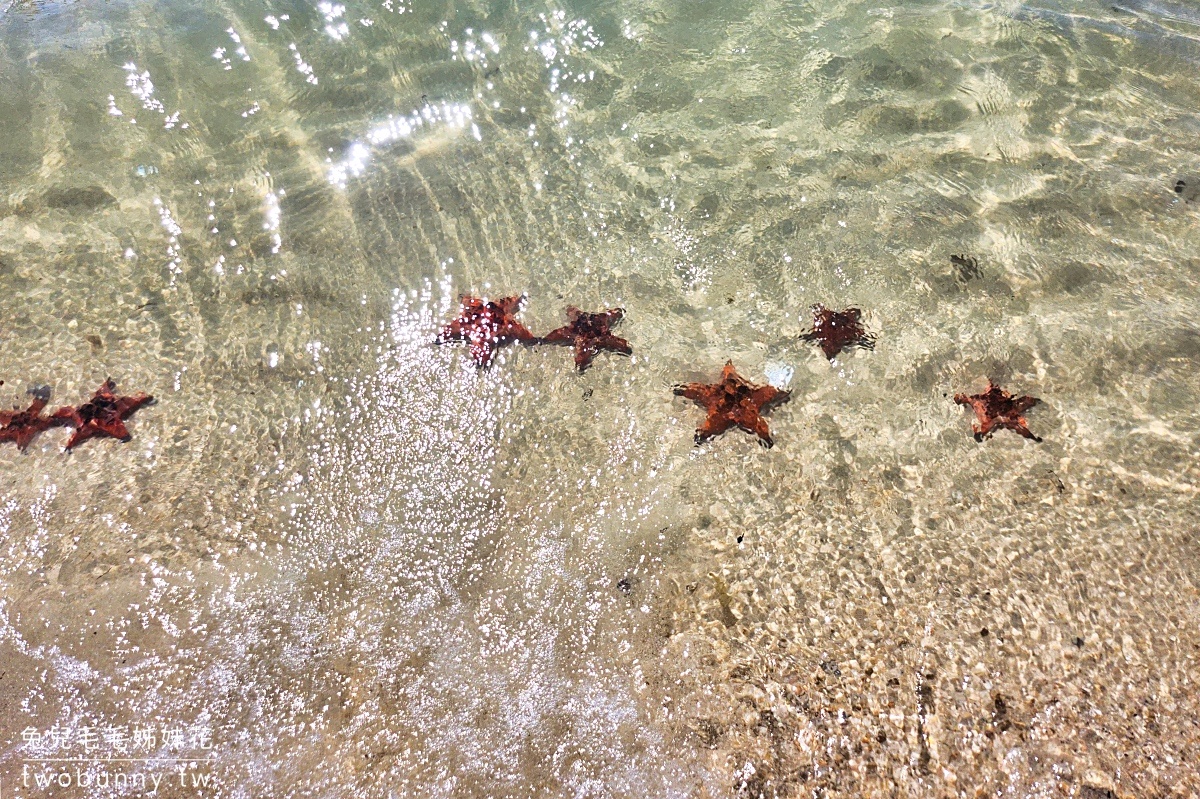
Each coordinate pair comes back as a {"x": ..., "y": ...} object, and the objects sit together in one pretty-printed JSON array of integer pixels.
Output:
[{"x": 367, "y": 569}]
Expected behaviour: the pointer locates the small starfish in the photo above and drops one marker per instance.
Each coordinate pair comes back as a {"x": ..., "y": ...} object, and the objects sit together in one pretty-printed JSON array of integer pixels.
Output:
[
  {"x": 23, "y": 426},
  {"x": 103, "y": 415},
  {"x": 590, "y": 333},
  {"x": 996, "y": 408},
  {"x": 486, "y": 326},
  {"x": 836, "y": 330},
  {"x": 733, "y": 401}
]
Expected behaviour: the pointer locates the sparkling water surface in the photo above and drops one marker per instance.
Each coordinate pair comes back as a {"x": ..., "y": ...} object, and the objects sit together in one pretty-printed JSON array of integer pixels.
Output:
[{"x": 363, "y": 568}]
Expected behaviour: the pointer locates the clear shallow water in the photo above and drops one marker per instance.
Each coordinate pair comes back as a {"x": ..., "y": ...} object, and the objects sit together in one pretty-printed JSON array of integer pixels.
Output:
[{"x": 369, "y": 570}]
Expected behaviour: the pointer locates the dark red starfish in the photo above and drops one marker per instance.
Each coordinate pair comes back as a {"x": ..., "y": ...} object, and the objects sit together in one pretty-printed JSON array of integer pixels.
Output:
[
  {"x": 23, "y": 426},
  {"x": 733, "y": 401},
  {"x": 996, "y": 408},
  {"x": 485, "y": 326},
  {"x": 103, "y": 415},
  {"x": 837, "y": 330},
  {"x": 590, "y": 333}
]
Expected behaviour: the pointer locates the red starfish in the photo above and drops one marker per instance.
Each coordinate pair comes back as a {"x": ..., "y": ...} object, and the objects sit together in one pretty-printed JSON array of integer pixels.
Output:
[
  {"x": 733, "y": 401},
  {"x": 486, "y": 326},
  {"x": 836, "y": 330},
  {"x": 997, "y": 408},
  {"x": 103, "y": 415},
  {"x": 590, "y": 333},
  {"x": 23, "y": 426}
]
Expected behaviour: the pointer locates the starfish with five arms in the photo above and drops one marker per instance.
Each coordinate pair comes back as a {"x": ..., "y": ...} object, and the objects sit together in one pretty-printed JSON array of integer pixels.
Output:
[
  {"x": 23, "y": 426},
  {"x": 485, "y": 326},
  {"x": 103, "y": 415},
  {"x": 590, "y": 333},
  {"x": 837, "y": 330},
  {"x": 733, "y": 401},
  {"x": 996, "y": 408}
]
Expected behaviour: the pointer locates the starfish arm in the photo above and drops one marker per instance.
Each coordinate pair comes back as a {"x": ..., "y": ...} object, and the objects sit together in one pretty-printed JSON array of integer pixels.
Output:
[
  {"x": 112, "y": 426},
  {"x": 614, "y": 344},
  {"x": 983, "y": 418},
  {"x": 729, "y": 373},
  {"x": 510, "y": 328},
  {"x": 747, "y": 417},
  {"x": 509, "y": 305},
  {"x": 983, "y": 429},
  {"x": 978, "y": 404},
  {"x": 482, "y": 351},
  {"x": 470, "y": 310},
  {"x": 127, "y": 405},
  {"x": 763, "y": 432},
  {"x": 769, "y": 395},
  {"x": 471, "y": 307},
  {"x": 714, "y": 425},
  {"x": 699, "y": 392},
  {"x": 1022, "y": 404},
  {"x": 613, "y": 316},
  {"x": 451, "y": 332},
  {"x": 573, "y": 314},
  {"x": 24, "y": 436},
  {"x": 1019, "y": 426},
  {"x": 67, "y": 416},
  {"x": 80, "y": 435},
  {"x": 585, "y": 353},
  {"x": 562, "y": 335}
]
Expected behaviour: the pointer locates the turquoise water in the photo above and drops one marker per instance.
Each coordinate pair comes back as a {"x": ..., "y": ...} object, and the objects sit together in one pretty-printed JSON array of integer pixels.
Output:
[{"x": 354, "y": 565}]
